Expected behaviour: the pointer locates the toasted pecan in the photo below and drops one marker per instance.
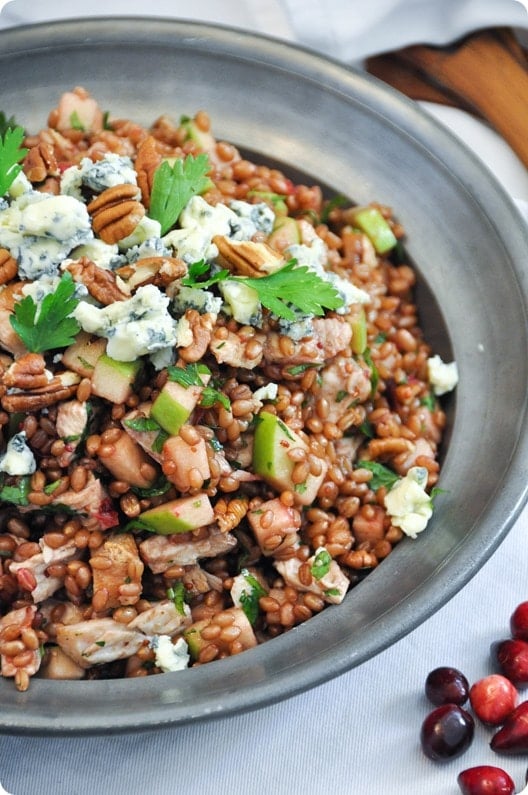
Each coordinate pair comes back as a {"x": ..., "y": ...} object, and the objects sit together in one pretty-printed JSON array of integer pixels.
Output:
[
  {"x": 160, "y": 271},
  {"x": 247, "y": 257},
  {"x": 116, "y": 212},
  {"x": 8, "y": 266},
  {"x": 147, "y": 160},
  {"x": 100, "y": 283},
  {"x": 40, "y": 162}
]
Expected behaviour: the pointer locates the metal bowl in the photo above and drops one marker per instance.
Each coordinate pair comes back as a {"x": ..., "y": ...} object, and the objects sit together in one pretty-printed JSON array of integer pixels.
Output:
[{"x": 353, "y": 134}]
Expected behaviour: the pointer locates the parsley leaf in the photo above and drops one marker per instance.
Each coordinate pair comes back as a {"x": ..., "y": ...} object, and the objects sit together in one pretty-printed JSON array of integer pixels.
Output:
[
  {"x": 6, "y": 123},
  {"x": 293, "y": 286},
  {"x": 52, "y": 327},
  {"x": 11, "y": 153},
  {"x": 177, "y": 595},
  {"x": 145, "y": 424},
  {"x": 249, "y": 600},
  {"x": 381, "y": 475},
  {"x": 173, "y": 186},
  {"x": 198, "y": 269},
  {"x": 18, "y": 493},
  {"x": 321, "y": 564}
]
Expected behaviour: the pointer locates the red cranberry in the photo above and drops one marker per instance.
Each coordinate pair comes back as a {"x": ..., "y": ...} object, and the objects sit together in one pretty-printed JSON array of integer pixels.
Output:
[
  {"x": 493, "y": 698},
  {"x": 446, "y": 685},
  {"x": 446, "y": 732},
  {"x": 512, "y": 657},
  {"x": 519, "y": 621},
  {"x": 485, "y": 780}
]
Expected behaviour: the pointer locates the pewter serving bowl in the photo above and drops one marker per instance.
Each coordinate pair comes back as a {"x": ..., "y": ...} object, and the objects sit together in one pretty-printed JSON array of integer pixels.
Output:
[{"x": 359, "y": 138}]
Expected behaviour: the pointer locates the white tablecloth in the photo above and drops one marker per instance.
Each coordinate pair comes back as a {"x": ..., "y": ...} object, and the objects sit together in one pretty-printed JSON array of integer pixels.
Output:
[{"x": 358, "y": 733}]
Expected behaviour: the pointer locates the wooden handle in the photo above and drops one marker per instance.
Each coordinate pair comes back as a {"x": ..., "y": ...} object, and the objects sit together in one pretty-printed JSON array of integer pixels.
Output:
[{"x": 487, "y": 76}]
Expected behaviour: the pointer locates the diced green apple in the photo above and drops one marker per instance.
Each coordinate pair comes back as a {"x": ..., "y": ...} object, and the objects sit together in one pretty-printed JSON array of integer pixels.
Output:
[
  {"x": 272, "y": 442},
  {"x": 285, "y": 233},
  {"x": 113, "y": 380},
  {"x": 358, "y": 323},
  {"x": 179, "y": 516},
  {"x": 375, "y": 226},
  {"x": 82, "y": 355},
  {"x": 175, "y": 404}
]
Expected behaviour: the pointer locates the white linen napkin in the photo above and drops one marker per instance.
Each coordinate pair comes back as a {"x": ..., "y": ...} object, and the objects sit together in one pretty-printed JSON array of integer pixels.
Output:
[{"x": 345, "y": 29}]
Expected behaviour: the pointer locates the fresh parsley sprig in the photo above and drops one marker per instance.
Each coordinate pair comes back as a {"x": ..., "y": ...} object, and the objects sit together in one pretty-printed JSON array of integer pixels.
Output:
[
  {"x": 249, "y": 598},
  {"x": 52, "y": 327},
  {"x": 173, "y": 186},
  {"x": 11, "y": 153},
  {"x": 291, "y": 287},
  {"x": 381, "y": 475}
]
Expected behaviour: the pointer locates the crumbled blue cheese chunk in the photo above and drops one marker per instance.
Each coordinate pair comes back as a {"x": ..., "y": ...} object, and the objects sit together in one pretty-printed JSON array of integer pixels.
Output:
[
  {"x": 199, "y": 222},
  {"x": 267, "y": 392},
  {"x": 133, "y": 328},
  {"x": 151, "y": 247},
  {"x": 41, "y": 230},
  {"x": 408, "y": 504},
  {"x": 251, "y": 218},
  {"x": 241, "y": 302},
  {"x": 104, "y": 255},
  {"x": 108, "y": 172},
  {"x": 170, "y": 656},
  {"x": 297, "y": 329},
  {"x": 195, "y": 298},
  {"x": 147, "y": 229},
  {"x": 443, "y": 377},
  {"x": 18, "y": 459}
]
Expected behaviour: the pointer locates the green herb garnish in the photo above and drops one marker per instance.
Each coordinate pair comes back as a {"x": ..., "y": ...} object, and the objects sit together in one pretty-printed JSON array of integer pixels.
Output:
[
  {"x": 198, "y": 269},
  {"x": 321, "y": 564},
  {"x": 6, "y": 123},
  {"x": 429, "y": 401},
  {"x": 146, "y": 424},
  {"x": 11, "y": 153},
  {"x": 173, "y": 186},
  {"x": 291, "y": 287},
  {"x": 177, "y": 595},
  {"x": 160, "y": 487},
  {"x": 381, "y": 475},
  {"x": 249, "y": 600},
  {"x": 75, "y": 122},
  {"x": 51, "y": 327},
  {"x": 16, "y": 494},
  {"x": 374, "y": 374}
]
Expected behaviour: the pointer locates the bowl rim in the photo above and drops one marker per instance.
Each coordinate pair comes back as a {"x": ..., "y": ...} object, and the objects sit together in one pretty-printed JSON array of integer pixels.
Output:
[{"x": 499, "y": 208}]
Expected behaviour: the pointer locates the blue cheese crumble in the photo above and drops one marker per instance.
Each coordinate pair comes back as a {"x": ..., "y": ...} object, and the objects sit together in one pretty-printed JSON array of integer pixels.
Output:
[
  {"x": 133, "y": 328},
  {"x": 195, "y": 298},
  {"x": 251, "y": 218},
  {"x": 108, "y": 172},
  {"x": 408, "y": 504},
  {"x": 170, "y": 656},
  {"x": 41, "y": 230},
  {"x": 18, "y": 459},
  {"x": 443, "y": 377}
]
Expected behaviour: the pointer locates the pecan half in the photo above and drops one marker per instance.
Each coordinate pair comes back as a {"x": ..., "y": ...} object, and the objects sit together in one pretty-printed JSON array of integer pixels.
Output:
[
  {"x": 247, "y": 257},
  {"x": 40, "y": 162},
  {"x": 116, "y": 212},
  {"x": 24, "y": 394},
  {"x": 100, "y": 283},
  {"x": 160, "y": 271},
  {"x": 147, "y": 160},
  {"x": 8, "y": 266}
]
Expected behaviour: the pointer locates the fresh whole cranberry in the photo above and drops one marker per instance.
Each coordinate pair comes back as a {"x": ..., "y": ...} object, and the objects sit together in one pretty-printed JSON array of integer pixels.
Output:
[
  {"x": 446, "y": 685},
  {"x": 485, "y": 780},
  {"x": 512, "y": 657},
  {"x": 446, "y": 732},
  {"x": 519, "y": 621},
  {"x": 493, "y": 698}
]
